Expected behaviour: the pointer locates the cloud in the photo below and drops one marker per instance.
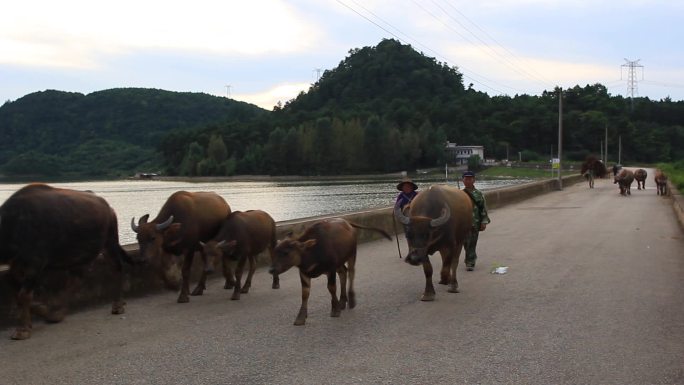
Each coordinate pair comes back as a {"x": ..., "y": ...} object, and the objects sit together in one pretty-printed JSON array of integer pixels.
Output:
[
  {"x": 78, "y": 33},
  {"x": 269, "y": 98}
]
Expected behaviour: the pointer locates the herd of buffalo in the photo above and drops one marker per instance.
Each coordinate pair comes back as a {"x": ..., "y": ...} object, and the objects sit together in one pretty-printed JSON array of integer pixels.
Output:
[{"x": 44, "y": 229}]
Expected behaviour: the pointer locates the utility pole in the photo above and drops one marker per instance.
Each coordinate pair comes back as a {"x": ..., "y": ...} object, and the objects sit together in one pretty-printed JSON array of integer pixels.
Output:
[
  {"x": 560, "y": 135},
  {"x": 632, "y": 86},
  {"x": 228, "y": 87},
  {"x": 318, "y": 73},
  {"x": 620, "y": 149},
  {"x": 605, "y": 160}
]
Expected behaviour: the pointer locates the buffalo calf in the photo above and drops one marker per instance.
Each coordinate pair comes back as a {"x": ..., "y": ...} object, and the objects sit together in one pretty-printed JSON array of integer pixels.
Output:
[{"x": 326, "y": 247}]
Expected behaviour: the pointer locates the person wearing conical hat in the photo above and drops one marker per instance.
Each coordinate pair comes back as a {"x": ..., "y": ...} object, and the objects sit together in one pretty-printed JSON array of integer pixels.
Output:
[{"x": 408, "y": 192}]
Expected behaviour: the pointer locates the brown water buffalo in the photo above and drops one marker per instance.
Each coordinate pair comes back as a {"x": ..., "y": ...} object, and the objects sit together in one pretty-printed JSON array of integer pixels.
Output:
[
  {"x": 46, "y": 231},
  {"x": 185, "y": 219},
  {"x": 661, "y": 182},
  {"x": 439, "y": 219},
  {"x": 242, "y": 237},
  {"x": 640, "y": 177},
  {"x": 624, "y": 180},
  {"x": 323, "y": 248},
  {"x": 593, "y": 165}
]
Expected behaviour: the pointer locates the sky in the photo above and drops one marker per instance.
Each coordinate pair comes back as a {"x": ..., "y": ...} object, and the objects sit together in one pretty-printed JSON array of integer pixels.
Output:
[{"x": 268, "y": 51}]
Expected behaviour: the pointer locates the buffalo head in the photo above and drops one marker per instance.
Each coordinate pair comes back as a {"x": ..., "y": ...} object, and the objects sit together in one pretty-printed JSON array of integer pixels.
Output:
[
  {"x": 214, "y": 251},
  {"x": 152, "y": 237},
  {"x": 287, "y": 253},
  {"x": 421, "y": 232}
]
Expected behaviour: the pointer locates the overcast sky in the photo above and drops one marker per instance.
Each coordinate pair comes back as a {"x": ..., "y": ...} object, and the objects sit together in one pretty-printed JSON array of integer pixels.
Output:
[{"x": 265, "y": 51}]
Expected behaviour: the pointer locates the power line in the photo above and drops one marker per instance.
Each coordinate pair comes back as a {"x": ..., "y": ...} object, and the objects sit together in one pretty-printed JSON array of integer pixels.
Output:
[{"x": 437, "y": 54}]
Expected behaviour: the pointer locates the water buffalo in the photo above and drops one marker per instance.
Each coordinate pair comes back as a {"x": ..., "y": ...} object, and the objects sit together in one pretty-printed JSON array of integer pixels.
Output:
[
  {"x": 640, "y": 177},
  {"x": 323, "y": 248},
  {"x": 661, "y": 182},
  {"x": 624, "y": 180},
  {"x": 242, "y": 237},
  {"x": 439, "y": 218},
  {"x": 45, "y": 231},
  {"x": 183, "y": 221}
]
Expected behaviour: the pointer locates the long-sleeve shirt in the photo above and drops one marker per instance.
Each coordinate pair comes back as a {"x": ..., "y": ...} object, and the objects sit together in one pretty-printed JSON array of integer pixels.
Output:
[
  {"x": 480, "y": 215},
  {"x": 403, "y": 199}
]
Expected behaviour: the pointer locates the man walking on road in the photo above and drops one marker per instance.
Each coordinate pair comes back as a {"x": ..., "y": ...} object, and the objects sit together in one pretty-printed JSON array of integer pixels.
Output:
[{"x": 480, "y": 218}]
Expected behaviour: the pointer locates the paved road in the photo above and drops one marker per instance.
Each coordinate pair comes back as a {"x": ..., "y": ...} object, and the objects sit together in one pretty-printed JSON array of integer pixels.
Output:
[{"x": 594, "y": 295}]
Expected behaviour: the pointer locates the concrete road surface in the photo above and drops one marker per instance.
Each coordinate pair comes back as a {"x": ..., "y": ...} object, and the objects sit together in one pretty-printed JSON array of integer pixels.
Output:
[{"x": 594, "y": 294}]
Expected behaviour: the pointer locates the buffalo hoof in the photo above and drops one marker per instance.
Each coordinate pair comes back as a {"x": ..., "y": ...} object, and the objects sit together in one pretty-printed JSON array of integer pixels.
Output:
[
  {"x": 453, "y": 289},
  {"x": 428, "y": 297},
  {"x": 244, "y": 290},
  {"x": 119, "y": 307},
  {"x": 21, "y": 333},
  {"x": 199, "y": 290},
  {"x": 343, "y": 304},
  {"x": 228, "y": 285},
  {"x": 235, "y": 296},
  {"x": 56, "y": 316},
  {"x": 335, "y": 313},
  {"x": 300, "y": 322},
  {"x": 352, "y": 300},
  {"x": 183, "y": 299},
  {"x": 275, "y": 285}
]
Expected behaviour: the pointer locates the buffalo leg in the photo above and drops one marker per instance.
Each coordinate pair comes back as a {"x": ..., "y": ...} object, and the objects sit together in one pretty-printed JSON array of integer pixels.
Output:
[
  {"x": 238, "y": 277},
  {"x": 252, "y": 269},
  {"x": 118, "y": 305},
  {"x": 24, "y": 299},
  {"x": 455, "y": 257},
  {"x": 429, "y": 293},
  {"x": 332, "y": 288},
  {"x": 447, "y": 258},
  {"x": 202, "y": 284},
  {"x": 351, "y": 266},
  {"x": 342, "y": 272},
  {"x": 185, "y": 272},
  {"x": 306, "y": 290},
  {"x": 228, "y": 274},
  {"x": 276, "y": 279}
]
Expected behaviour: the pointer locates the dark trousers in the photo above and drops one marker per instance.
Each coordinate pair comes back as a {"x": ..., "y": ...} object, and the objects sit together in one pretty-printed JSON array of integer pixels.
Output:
[{"x": 470, "y": 245}]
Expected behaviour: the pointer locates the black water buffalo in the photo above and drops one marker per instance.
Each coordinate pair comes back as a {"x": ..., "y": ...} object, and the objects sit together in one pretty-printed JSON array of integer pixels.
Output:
[
  {"x": 439, "y": 219},
  {"x": 640, "y": 177},
  {"x": 323, "y": 248},
  {"x": 185, "y": 219},
  {"x": 46, "y": 230},
  {"x": 242, "y": 237},
  {"x": 624, "y": 180},
  {"x": 661, "y": 182}
]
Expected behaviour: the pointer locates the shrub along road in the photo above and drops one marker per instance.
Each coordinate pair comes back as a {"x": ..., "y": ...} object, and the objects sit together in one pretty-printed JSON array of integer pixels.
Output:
[{"x": 593, "y": 294}]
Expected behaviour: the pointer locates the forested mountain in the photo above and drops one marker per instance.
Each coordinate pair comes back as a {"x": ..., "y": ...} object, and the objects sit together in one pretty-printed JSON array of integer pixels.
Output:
[
  {"x": 106, "y": 133},
  {"x": 383, "y": 108}
]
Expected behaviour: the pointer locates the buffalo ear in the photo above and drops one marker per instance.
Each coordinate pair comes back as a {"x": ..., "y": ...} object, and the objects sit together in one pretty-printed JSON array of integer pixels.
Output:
[
  {"x": 173, "y": 234},
  {"x": 227, "y": 246},
  {"x": 308, "y": 244}
]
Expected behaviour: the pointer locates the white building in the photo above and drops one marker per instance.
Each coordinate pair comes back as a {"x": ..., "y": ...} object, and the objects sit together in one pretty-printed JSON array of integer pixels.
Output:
[{"x": 458, "y": 155}]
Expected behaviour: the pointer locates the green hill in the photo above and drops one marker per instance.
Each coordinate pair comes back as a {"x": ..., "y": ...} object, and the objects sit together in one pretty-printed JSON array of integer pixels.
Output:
[{"x": 105, "y": 133}]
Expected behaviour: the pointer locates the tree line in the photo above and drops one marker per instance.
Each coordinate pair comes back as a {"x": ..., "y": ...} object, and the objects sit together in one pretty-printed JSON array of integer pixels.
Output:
[{"x": 382, "y": 109}]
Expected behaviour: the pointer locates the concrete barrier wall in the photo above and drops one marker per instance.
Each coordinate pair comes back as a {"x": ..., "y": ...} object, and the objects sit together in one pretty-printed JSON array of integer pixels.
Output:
[{"x": 98, "y": 281}]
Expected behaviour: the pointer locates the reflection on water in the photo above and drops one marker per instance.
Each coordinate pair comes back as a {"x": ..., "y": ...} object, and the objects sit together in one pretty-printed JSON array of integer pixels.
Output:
[{"x": 282, "y": 200}]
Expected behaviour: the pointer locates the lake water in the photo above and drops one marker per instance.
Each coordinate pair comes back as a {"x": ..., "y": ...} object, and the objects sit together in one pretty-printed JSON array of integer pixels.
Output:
[{"x": 282, "y": 200}]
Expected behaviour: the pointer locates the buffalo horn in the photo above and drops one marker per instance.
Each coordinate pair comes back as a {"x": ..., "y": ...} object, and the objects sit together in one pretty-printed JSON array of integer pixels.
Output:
[
  {"x": 165, "y": 224},
  {"x": 400, "y": 216},
  {"x": 446, "y": 213},
  {"x": 220, "y": 244},
  {"x": 134, "y": 227}
]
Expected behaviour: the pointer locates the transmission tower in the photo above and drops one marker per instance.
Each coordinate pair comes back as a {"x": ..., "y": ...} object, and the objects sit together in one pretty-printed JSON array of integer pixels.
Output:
[{"x": 632, "y": 85}]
